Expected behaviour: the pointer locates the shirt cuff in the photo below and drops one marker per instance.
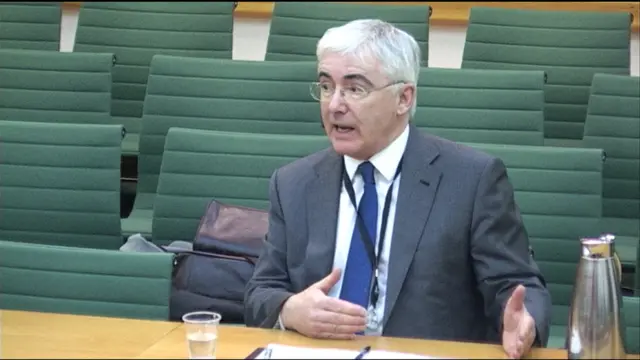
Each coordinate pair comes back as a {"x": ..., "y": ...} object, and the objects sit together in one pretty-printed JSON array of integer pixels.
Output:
[{"x": 278, "y": 324}]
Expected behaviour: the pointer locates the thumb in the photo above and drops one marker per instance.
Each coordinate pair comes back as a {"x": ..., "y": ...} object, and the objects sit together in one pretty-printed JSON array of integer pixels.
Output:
[
  {"x": 516, "y": 301},
  {"x": 514, "y": 305},
  {"x": 328, "y": 282}
]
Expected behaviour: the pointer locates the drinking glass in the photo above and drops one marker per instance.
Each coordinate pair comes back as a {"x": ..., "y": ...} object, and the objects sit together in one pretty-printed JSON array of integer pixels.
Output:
[{"x": 202, "y": 332}]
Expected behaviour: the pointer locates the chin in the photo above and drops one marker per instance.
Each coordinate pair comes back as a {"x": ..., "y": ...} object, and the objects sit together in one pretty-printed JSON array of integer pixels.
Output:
[
  {"x": 348, "y": 148},
  {"x": 346, "y": 144}
]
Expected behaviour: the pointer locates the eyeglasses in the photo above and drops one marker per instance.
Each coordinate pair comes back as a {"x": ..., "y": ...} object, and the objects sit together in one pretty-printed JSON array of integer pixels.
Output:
[{"x": 323, "y": 91}]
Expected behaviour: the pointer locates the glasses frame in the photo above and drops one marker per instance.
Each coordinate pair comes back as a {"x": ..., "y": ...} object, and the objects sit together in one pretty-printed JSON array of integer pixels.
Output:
[{"x": 314, "y": 90}]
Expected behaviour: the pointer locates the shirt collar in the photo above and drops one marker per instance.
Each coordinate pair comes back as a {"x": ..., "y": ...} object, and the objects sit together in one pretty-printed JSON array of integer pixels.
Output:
[{"x": 385, "y": 161}]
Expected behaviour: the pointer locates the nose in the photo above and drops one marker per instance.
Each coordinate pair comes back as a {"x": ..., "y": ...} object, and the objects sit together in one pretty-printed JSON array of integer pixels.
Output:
[{"x": 336, "y": 102}]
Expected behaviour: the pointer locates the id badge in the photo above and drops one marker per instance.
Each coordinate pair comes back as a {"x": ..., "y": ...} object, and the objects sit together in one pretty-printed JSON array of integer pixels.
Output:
[{"x": 373, "y": 322}]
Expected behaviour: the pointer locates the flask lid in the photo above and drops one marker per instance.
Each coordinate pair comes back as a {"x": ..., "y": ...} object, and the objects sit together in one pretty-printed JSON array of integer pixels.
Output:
[{"x": 597, "y": 248}]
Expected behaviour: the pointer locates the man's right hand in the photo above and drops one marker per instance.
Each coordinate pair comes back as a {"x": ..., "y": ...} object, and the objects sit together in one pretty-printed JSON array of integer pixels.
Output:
[{"x": 314, "y": 314}]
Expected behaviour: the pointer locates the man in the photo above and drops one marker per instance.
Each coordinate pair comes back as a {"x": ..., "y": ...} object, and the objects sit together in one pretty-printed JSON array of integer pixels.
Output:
[{"x": 438, "y": 250}]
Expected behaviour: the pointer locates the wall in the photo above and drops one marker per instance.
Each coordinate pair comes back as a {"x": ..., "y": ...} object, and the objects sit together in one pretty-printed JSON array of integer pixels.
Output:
[{"x": 446, "y": 42}]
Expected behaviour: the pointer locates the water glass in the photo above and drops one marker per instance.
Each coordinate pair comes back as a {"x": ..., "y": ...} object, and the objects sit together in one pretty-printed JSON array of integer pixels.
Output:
[{"x": 202, "y": 332}]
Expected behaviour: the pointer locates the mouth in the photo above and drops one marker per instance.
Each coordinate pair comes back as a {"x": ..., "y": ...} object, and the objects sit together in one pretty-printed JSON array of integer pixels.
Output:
[{"x": 343, "y": 129}]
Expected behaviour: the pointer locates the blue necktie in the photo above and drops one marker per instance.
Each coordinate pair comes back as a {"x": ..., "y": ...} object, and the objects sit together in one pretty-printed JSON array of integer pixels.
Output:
[{"x": 357, "y": 275}]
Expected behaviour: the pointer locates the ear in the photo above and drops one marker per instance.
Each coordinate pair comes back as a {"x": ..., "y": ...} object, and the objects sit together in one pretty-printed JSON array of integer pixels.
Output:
[{"x": 406, "y": 98}]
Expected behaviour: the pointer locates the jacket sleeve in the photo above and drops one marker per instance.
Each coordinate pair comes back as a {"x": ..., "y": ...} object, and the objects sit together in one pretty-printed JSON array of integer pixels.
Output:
[
  {"x": 269, "y": 287},
  {"x": 501, "y": 254}
]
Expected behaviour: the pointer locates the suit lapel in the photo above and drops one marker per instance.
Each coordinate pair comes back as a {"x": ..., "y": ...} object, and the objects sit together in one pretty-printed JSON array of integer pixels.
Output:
[
  {"x": 322, "y": 216},
  {"x": 418, "y": 186}
]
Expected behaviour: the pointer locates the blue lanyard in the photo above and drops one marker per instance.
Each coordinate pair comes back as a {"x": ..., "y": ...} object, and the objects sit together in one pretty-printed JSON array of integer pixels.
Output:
[{"x": 365, "y": 235}]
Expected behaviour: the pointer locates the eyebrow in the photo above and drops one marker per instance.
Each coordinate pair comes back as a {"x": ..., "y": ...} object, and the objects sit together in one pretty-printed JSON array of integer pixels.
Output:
[
  {"x": 358, "y": 77},
  {"x": 323, "y": 74},
  {"x": 347, "y": 77}
]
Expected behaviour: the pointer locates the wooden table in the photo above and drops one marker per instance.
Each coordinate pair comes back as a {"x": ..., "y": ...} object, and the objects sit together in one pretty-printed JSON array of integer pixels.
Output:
[
  {"x": 45, "y": 335},
  {"x": 238, "y": 342}
]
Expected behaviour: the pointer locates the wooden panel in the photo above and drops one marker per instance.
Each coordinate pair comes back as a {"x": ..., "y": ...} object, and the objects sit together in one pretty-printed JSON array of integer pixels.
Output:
[
  {"x": 457, "y": 13},
  {"x": 250, "y": 9}
]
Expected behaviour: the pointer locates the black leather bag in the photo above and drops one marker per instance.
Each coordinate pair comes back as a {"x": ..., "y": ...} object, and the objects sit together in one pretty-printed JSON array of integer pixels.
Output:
[{"x": 214, "y": 274}]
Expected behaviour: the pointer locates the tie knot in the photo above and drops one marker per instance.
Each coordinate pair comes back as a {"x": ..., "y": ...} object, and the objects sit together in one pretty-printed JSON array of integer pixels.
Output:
[{"x": 366, "y": 171}]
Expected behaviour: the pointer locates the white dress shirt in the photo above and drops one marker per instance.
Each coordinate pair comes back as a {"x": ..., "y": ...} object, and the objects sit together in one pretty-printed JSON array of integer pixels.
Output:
[{"x": 385, "y": 163}]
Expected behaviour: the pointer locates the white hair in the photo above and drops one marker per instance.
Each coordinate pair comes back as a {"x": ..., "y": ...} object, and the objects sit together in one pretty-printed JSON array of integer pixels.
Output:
[{"x": 397, "y": 51}]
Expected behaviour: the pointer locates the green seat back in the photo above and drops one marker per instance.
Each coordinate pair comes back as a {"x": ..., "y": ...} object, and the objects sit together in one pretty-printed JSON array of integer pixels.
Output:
[
  {"x": 231, "y": 167},
  {"x": 51, "y": 86},
  {"x": 613, "y": 124},
  {"x": 218, "y": 94},
  {"x": 481, "y": 106},
  {"x": 60, "y": 184},
  {"x": 95, "y": 282},
  {"x": 296, "y": 27},
  {"x": 636, "y": 291},
  {"x": 558, "y": 192},
  {"x": 570, "y": 46},
  {"x": 135, "y": 31},
  {"x": 631, "y": 320},
  {"x": 30, "y": 25}
]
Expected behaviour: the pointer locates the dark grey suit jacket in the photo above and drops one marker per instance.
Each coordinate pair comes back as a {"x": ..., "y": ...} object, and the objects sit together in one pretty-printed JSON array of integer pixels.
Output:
[{"x": 459, "y": 247}]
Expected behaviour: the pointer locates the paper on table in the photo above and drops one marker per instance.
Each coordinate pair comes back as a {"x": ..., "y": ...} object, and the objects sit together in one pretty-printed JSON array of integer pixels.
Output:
[
  {"x": 295, "y": 352},
  {"x": 379, "y": 354}
]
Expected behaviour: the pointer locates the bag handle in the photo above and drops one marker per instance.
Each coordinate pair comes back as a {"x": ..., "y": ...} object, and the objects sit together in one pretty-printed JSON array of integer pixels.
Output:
[{"x": 248, "y": 259}]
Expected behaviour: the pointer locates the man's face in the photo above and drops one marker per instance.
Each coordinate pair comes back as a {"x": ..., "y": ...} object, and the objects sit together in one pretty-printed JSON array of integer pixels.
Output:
[{"x": 360, "y": 126}]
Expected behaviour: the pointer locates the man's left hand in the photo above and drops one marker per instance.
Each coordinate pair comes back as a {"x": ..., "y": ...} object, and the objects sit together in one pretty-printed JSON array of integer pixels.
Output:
[{"x": 518, "y": 326}]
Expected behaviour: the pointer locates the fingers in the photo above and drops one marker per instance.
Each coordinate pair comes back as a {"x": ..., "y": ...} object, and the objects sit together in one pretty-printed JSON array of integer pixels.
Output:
[
  {"x": 527, "y": 328},
  {"x": 326, "y": 324},
  {"x": 337, "y": 336},
  {"x": 519, "y": 342},
  {"x": 337, "y": 319},
  {"x": 516, "y": 352},
  {"x": 514, "y": 348},
  {"x": 334, "y": 318},
  {"x": 322, "y": 316},
  {"x": 336, "y": 329},
  {"x": 342, "y": 307},
  {"x": 527, "y": 334}
]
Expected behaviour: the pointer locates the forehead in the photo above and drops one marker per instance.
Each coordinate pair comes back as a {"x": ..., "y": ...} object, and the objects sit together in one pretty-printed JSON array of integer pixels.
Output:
[{"x": 342, "y": 67}]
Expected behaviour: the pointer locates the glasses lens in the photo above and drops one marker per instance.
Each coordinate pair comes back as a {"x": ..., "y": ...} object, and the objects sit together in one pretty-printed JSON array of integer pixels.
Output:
[{"x": 314, "y": 89}]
